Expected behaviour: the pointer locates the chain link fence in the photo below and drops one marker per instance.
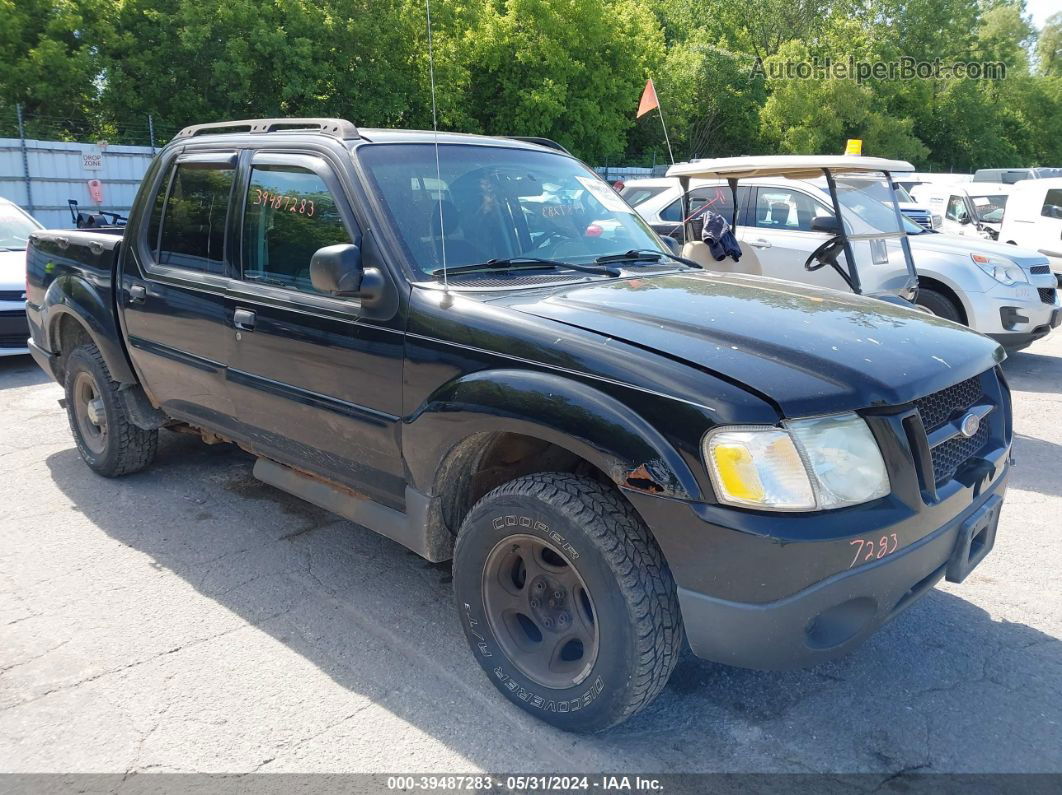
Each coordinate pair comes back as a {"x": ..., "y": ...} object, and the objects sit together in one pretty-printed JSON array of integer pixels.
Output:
[{"x": 18, "y": 122}]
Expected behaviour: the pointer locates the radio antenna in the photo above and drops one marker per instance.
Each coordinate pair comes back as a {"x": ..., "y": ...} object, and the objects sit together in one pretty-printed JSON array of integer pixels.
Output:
[{"x": 435, "y": 129}]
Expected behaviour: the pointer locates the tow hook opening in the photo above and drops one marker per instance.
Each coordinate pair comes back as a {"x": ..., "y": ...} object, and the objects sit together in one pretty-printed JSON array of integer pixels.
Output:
[{"x": 840, "y": 623}]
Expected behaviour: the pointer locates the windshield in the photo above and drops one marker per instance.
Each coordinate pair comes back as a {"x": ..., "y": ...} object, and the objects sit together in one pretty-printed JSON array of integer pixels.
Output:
[
  {"x": 498, "y": 203},
  {"x": 867, "y": 205},
  {"x": 989, "y": 208},
  {"x": 15, "y": 227}
]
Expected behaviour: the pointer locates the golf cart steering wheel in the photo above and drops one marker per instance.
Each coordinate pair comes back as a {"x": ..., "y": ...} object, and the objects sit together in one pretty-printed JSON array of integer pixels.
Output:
[
  {"x": 824, "y": 255},
  {"x": 827, "y": 254}
]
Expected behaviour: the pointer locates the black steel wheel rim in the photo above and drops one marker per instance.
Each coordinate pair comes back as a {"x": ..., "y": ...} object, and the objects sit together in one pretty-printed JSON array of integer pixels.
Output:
[
  {"x": 540, "y": 611},
  {"x": 90, "y": 413}
]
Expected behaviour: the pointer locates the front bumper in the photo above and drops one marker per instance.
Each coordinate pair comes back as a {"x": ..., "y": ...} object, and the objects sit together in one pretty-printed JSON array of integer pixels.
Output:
[
  {"x": 1016, "y": 340},
  {"x": 1017, "y": 315},
  {"x": 781, "y": 590},
  {"x": 831, "y": 618},
  {"x": 14, "y": 328}
]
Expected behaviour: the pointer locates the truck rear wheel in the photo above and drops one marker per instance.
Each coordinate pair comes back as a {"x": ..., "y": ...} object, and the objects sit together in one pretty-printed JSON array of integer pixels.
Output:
[
  {"x": 106, "y": 438},
  {"x": 566, "y": 600}
]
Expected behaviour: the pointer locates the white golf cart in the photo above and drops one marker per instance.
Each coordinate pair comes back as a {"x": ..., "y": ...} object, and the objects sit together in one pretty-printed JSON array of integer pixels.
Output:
[{"x": 868, "y": 253}]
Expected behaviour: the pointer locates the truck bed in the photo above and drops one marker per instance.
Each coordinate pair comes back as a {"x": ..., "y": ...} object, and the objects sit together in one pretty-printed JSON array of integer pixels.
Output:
[
  {"x": 80, "y": 249},
  {"x": 72, "y": 271}
]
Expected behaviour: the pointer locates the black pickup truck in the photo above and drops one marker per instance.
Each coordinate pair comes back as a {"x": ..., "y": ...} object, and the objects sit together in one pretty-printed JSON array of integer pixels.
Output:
[{"x": 475, "y": 347}]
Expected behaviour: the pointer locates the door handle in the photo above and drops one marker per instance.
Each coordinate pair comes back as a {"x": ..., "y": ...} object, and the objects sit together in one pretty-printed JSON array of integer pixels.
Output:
[
  {"x": 760, "y": 243},
  {"x": 243, "y": 319},
  {"x": 137, "y": 294}
]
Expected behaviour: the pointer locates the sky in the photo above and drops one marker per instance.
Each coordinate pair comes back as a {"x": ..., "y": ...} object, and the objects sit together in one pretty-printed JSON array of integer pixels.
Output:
[{"x": 1040, "y": 10}]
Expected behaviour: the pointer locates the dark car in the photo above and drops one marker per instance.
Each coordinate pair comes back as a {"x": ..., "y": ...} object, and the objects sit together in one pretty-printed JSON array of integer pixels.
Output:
[{"x": 476, "y": 348}]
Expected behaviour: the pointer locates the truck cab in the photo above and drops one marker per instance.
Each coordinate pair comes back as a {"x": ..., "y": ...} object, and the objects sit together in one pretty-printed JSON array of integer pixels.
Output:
[{"x": 474, "y": 347}]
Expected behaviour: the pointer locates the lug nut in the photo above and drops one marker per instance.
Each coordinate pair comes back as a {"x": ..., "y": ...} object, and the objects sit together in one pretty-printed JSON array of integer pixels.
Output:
[
  {"x": 547, "y": 622},
  {"x": 535, "y": 603},
  {"x": 563, "y": 619},
  {"x": 558, "y": 595},
  {"x": 539, "y": 586}
]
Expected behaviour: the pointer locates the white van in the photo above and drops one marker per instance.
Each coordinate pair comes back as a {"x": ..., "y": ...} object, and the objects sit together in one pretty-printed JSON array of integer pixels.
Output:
[
  {"x": 1005, "y": 292},
  {"x": 969, "y": 209},
  {"x": 1034, "y": 219}
]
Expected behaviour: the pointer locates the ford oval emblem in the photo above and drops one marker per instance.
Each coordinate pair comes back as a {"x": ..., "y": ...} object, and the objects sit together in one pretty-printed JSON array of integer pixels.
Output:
[{"x": 969, "y": 425}]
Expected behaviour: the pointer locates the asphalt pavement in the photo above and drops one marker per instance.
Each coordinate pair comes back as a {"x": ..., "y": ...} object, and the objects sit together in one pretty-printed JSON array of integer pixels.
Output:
[{"x": 189, "y": 618}]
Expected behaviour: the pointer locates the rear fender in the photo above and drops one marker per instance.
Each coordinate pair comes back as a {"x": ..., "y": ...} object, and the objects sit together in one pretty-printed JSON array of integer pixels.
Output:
[
  {"x": 571, "y": 415},
  {"x": 71, "y": 294}
]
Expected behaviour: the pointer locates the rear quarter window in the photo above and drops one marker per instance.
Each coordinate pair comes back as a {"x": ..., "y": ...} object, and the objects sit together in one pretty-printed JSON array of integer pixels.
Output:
[{"x": 188, "y": 222}]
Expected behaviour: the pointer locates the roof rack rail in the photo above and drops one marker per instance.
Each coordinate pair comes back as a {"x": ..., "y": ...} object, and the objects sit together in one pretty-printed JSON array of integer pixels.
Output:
[
  {"x": 532, "y": 139},
  {"x": 336, "y": 128}
]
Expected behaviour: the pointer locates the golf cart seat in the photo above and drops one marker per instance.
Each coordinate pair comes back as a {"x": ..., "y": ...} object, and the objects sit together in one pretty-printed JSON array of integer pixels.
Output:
[{"x": 698, "y": 251}]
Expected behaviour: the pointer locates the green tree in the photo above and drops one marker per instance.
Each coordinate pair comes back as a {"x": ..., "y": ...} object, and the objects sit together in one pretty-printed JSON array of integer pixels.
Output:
[
  {"x": 1049, "y": 47},
  {"x": 571, "y": 70},
  {"x": 50, "y": 54},
  {"x": 189, "y": 60}
]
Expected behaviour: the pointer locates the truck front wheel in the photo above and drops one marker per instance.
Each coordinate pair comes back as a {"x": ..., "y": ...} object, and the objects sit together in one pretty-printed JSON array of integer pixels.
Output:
[
  {"x": 566, "y": 600},
  {"x": 105, "y": 436}
]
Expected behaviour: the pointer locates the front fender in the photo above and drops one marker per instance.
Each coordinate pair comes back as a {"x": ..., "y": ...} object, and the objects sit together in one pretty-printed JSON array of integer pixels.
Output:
[
  {"x": 574, "y": 416},
  {"x": 72, "y": 294}
]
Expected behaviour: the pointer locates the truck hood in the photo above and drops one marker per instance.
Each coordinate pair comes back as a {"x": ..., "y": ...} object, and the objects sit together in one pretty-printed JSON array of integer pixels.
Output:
[
  {"x": 965, "y": 246},
  {"x": 808, "y": 351},
  {"x": 12, "y": 270}
]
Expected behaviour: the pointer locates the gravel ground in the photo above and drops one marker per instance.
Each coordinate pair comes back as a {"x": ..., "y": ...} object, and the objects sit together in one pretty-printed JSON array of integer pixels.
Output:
[{"x": 189, "y": 618}]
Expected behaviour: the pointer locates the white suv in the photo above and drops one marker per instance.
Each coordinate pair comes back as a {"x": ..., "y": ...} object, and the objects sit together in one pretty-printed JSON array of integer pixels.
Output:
[{"x": 1005, "y": 292}]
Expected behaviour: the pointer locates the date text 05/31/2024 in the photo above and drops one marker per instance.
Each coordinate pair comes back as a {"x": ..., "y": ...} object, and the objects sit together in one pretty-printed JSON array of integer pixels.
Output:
[{"x": 529, "y": 783}]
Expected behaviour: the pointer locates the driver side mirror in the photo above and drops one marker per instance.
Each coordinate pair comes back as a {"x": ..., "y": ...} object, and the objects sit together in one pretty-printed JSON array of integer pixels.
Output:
[
  {"x": 964, "y": 219},
  {"x": 337, "y": 270},
  {"x": 672, "y": 244},
  {"x": 825, "y": 223}
]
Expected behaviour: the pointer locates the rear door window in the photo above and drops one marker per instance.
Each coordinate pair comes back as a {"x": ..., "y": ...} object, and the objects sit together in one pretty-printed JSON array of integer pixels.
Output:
[
  {"x": 289, "y": 214},
  {"x": 189, "y": 224},
  {"x": 781, "y": 208}
]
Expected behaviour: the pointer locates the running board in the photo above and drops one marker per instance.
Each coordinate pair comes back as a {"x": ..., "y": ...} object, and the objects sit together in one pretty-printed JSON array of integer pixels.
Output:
[{"x": 409, "y": 529}]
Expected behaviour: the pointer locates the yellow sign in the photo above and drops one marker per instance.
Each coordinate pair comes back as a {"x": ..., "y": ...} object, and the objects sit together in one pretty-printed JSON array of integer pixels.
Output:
[{"x": 855, "y": 146}]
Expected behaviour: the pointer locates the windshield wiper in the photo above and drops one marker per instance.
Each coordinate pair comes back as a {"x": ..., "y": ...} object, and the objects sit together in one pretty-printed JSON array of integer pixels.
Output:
[
  {"x": 524, "y": 264},
  {"x": 645, "y": 255}
]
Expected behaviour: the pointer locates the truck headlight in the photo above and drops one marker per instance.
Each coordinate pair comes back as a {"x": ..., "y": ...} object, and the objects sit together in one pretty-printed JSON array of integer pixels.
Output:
[
  {"x": 807, "y": 465},
  {"x": 1004, "y": 271}
]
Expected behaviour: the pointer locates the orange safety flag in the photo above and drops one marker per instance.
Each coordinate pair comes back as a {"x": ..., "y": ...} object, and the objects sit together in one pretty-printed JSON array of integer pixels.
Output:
[{"x": 649, "y": 100}]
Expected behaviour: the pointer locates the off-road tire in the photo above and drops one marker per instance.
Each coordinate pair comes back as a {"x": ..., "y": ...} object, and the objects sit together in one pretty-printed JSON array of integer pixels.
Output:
[
  {"x": 124, "y": 448},
  {"x": 639, "y": 626},
  {"x": 939, "y": 304}
]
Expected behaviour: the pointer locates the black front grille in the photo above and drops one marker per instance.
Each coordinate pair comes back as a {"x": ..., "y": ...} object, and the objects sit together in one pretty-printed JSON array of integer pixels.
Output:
[
  {"x": 950, "y": 455},
  {"x": 1047, "y": 294},
  {"x": 938, "y": 408},
  {"x": 1039, "y": 270},
  {"x": 13, "y": 340},
  {"x": 12, "y": 295}
]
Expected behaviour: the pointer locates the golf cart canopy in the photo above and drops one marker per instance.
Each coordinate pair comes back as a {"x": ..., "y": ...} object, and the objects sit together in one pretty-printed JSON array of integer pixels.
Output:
[
  {"x": 790, "y": 166},
  {"x": 868, "y": 221}
]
